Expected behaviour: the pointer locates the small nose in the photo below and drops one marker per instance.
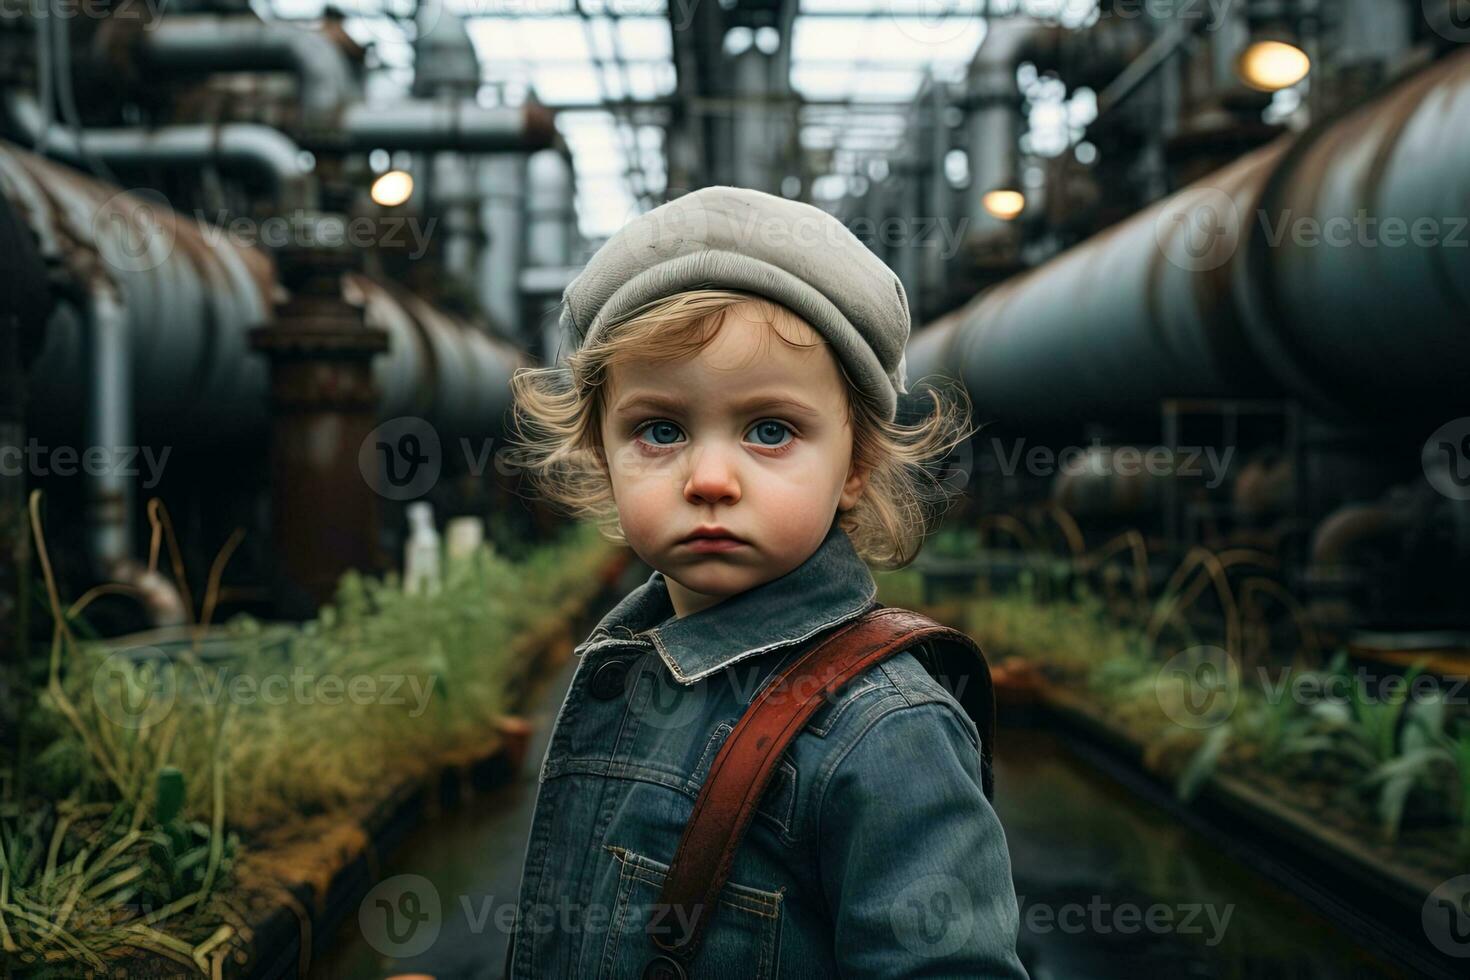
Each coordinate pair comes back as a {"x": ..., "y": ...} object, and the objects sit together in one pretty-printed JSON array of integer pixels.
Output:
[{"x": 712, "y": 478}]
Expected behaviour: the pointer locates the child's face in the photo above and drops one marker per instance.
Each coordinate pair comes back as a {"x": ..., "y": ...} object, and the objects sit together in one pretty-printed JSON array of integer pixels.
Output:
[{"x": 749, "y": 435}]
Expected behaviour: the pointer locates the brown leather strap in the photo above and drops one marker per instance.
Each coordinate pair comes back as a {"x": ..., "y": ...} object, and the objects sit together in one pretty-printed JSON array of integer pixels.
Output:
[{"x": 748, "y": 758}]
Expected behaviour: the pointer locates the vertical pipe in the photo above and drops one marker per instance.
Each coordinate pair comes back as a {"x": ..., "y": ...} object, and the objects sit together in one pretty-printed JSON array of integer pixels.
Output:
[
  {"x": 753, "y": 134},
  {"x": 455, "y": 194},
  {"x": 503, "y": 193},
  {"x": 909, "y": 210},
  {"x": 324, "y": 405},
  {"x": 939, "y": 198},
  {"x": 109, "y": 426},
  {"x": 548, "y": 244}
]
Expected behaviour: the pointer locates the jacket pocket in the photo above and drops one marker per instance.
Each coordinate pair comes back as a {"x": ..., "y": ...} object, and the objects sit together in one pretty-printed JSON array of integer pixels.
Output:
[{"x": 741, "y": 940}]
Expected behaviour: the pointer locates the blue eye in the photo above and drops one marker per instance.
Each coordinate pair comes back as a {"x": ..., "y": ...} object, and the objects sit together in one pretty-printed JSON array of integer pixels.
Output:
[
  {"x": 772, "y": 429},
  {"x": 668, "y": 429}
]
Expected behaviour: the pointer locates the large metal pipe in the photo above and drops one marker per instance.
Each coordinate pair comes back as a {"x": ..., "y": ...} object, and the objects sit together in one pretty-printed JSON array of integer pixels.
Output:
[
  {"x": 212, "y": 43},
  {"x": 438, "y": 367},
  {"x": 191, "y": 295},
  {"x": 149, "y": 340},
  {"x": 243, "y": 42},
  {"x": 1109, "y": 328},
  {"x": 1372, "y": 318},
  {"x": 442, "y": 124},
  {"x": 150, "y": 347},
  {"x": 188, "y": 301},
  {"x": 1217, "y": 291},
  {"x": 248, "y": 147}
]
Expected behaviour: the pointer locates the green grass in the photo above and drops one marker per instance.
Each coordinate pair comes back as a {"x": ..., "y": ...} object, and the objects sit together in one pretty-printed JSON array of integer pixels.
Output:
[
  {"x": 157, "y": 778},
  {"x": 1384, "y": 760}
]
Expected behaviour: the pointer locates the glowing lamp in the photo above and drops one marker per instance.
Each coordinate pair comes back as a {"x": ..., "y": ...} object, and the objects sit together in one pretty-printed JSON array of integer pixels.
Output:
[
  {"x": 1005, "y": 203},
  {"x": 392, "y": 188},
  {"x": 1269, "y": 66}
]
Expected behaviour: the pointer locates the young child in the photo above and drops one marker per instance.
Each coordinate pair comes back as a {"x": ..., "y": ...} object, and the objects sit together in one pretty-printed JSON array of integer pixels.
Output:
[{"x": 731, "y": 411}]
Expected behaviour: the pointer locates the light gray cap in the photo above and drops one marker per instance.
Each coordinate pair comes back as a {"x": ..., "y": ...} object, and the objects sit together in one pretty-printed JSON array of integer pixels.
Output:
[{"x": 736, "y": 238}]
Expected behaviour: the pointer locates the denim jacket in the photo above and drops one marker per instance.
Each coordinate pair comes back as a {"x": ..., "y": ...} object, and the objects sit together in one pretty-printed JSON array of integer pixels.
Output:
[{"x": 873, "y": 852}]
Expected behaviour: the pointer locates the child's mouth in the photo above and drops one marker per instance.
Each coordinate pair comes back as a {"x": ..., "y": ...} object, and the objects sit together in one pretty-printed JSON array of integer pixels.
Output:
[{"x": 713, "y": 544}]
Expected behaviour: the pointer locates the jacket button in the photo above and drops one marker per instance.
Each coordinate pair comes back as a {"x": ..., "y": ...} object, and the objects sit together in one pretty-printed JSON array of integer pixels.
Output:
[
  {"x": 609, "y": 679},
  {"x": 664, "y": 968}
]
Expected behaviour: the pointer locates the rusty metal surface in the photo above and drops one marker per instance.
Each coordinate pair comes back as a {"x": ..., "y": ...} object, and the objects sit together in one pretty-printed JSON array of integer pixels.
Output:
[
  {"x": 189, "y": 301},
  {"x": 1348, "y": 324},
  {"x": 443, "y": 368},
  {"x": 192, "y": 295},
  {"x": 1196, "y": 296},
  {"x": 324, "y": 403}
]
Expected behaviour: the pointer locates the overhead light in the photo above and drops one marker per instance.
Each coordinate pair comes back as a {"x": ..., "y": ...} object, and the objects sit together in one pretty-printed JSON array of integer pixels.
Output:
[
  {"x": 1005, "y": 203},
  {"x": 392, "y": 188},
  {"x": 1269, "y": 65}
]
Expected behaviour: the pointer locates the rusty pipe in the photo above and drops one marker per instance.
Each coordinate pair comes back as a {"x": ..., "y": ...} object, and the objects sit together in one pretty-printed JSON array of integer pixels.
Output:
[
  {"x": 1203, "y": 294},
  {"x": 191, "y": 296},
  {"x": 441, "y": 124},
  {"x": 111, "y": 500},
  {"x": 216, "y": 42},
  {"x": 257, "y": 149}
]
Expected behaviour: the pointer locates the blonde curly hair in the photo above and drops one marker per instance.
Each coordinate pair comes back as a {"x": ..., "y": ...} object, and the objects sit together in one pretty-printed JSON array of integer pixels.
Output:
[{"x": 556, "y": 426}]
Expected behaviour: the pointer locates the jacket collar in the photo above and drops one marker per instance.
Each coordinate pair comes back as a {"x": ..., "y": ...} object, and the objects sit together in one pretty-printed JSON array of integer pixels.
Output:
[{"x": 831, "y": 586}]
